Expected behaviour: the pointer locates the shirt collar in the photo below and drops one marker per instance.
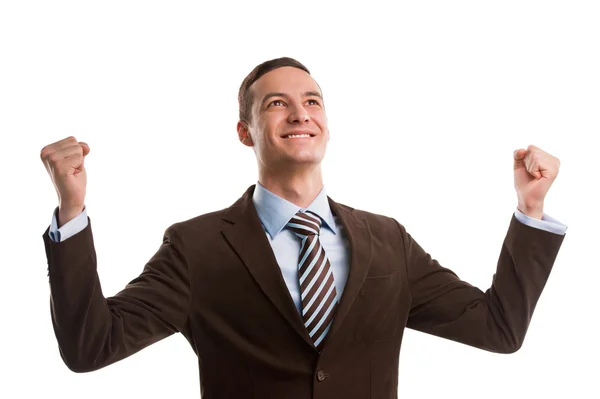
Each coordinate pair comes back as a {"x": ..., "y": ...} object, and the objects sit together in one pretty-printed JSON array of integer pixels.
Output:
[{"x": 275, "y": 212}]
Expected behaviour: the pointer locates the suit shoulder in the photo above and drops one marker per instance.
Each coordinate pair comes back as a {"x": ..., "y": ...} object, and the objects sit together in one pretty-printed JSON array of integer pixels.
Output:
[
  {"x": 199, "y": 225},
  {"x": 377, "y": 222}
]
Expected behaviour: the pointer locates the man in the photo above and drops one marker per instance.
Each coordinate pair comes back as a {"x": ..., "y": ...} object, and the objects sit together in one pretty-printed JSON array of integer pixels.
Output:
[{"x": 287, "y": 293}]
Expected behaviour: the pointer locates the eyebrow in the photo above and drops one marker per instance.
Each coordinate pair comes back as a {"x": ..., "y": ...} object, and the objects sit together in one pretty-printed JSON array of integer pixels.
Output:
[{"x": 277, "y": 94}]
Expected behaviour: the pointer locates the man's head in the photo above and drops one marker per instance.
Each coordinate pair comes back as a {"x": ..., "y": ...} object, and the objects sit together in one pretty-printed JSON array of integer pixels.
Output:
[{"x": 277, "y": 99}]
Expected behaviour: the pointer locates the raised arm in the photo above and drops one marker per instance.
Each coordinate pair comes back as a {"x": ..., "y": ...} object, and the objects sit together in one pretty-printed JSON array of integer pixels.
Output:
[
  {"x": 497, "y": 319},
  {"x": 94, "y": 331}
]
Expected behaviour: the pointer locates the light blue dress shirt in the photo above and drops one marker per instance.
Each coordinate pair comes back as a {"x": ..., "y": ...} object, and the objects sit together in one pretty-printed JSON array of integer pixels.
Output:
[{"x": 274, "y": 213}]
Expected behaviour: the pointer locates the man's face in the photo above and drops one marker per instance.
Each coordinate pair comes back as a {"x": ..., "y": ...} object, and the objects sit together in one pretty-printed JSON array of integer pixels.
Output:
[{"x": 289, "y": 125}]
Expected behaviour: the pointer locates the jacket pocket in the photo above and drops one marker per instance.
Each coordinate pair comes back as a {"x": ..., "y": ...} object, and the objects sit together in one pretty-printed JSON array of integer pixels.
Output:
[{"x": 379, "y": 309}]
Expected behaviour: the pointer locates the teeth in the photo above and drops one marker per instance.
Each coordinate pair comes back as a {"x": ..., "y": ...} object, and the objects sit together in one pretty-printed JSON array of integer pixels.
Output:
[{"x": 291, "y": 136}]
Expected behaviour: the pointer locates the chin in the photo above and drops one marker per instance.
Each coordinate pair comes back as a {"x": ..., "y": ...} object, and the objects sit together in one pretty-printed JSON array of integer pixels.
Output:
[
  {"x": 299, "y": 161},
  {"x": 307, "y": 158}
]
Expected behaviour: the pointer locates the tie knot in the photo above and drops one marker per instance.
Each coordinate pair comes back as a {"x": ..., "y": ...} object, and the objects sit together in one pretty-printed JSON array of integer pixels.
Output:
[{"x": 305, "y": 224}]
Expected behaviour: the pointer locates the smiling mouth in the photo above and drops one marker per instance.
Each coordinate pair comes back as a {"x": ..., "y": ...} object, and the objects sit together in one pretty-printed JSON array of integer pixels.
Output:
[{"x": 298, "y": 136}]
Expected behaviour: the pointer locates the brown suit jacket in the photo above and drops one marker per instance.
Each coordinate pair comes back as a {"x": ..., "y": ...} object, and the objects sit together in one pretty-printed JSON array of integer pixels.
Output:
[{"x": 215, "y": 279}]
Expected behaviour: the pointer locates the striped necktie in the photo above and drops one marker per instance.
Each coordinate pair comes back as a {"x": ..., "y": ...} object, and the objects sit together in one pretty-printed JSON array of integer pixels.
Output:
[{"x": 317, "y": 288}]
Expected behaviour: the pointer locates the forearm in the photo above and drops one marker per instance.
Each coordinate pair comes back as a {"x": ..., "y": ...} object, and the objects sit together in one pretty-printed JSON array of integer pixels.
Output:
[
  {"x": 80, "y": 315},
  {"x": 526, "y": 260}
]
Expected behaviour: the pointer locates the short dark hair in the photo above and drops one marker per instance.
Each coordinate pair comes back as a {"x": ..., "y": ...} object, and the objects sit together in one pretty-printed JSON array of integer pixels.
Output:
[{"x": 244, "y": 95}]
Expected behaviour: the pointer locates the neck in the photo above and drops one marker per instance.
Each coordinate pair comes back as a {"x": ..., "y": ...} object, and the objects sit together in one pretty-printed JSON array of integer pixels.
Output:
[{"x": 300, "y": 187}]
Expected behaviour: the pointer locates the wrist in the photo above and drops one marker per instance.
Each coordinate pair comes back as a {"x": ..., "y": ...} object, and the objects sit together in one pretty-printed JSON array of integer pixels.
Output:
[
  {"x": 535, "y": 211},
  {"x": 67, "y": 213}
]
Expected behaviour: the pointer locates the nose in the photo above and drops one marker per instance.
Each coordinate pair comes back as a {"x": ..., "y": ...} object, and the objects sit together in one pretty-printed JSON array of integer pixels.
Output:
[{"x": 298, "y": 114}]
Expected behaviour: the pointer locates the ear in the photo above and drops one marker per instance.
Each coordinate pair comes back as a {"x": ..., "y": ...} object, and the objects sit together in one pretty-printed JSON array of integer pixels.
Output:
[{"x": 244, "y": 134}]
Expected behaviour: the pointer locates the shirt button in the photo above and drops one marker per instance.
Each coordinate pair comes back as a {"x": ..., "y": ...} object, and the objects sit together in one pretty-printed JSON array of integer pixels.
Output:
[{"x": 321, "y": 376}]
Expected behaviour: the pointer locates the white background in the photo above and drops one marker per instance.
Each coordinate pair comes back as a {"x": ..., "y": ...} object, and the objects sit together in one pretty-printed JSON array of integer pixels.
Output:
[{"x": 426, "y": 103}]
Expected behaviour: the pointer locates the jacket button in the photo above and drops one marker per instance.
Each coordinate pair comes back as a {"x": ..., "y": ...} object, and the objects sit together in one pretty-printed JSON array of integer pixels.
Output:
[{"x": 321, "y": 376}]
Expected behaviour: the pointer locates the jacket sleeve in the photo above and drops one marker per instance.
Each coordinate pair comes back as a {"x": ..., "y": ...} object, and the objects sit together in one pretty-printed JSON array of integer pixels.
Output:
[
  {"x": 497, "y": 319},
  {"x": 93, "y": 331}
]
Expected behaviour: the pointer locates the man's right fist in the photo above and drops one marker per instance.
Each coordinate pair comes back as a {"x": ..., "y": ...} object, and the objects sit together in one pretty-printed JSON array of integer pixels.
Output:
[{"x": 64, "y": 162}]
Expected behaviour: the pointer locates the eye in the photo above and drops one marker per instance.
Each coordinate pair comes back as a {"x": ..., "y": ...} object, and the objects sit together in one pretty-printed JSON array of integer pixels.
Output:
[
  {"x": 315, "y": 101},
  {"x": 273, "y": 102}
]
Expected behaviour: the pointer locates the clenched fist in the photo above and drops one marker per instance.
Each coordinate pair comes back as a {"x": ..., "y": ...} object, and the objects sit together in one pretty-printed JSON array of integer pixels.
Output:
[
  {"x": 535, "y": 171},
  {"x": 64, "y": 162}
]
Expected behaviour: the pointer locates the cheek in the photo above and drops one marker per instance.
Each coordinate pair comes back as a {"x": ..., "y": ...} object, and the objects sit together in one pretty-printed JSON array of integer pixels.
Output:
[
  {"x": 321, "y": 120},
  {"x": 270, "y": 124}
]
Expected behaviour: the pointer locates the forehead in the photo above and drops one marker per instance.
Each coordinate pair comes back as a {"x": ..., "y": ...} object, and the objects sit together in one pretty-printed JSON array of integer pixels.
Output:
[{"x": 287, "y": 80}]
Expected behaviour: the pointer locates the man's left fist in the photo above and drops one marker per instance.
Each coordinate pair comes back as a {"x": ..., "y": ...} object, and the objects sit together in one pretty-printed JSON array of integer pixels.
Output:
[{"x": 535, "y": 171}]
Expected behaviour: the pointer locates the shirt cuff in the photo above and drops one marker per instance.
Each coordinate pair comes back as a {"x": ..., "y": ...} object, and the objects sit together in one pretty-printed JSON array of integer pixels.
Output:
[
  {"x": 69, "y": 229},
  {"x": 547, "y": 223}
]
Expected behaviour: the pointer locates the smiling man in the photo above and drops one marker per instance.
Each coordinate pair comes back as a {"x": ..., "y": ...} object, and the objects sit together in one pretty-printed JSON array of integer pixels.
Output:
[
  {"x": 282, "y": 116},
  {"x": 287, "y": 293}
]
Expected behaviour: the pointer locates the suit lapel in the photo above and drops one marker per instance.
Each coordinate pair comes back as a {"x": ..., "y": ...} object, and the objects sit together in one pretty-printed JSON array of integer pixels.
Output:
[
  {"x": 359, "y": 236},
  {"x": 246, "y": 235}
]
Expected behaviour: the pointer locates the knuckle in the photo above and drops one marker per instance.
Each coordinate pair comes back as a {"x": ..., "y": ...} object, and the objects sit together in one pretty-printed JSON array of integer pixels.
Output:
[
  {"x": 53, "y": 158},
  {"x": 47, "y": 150}
]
